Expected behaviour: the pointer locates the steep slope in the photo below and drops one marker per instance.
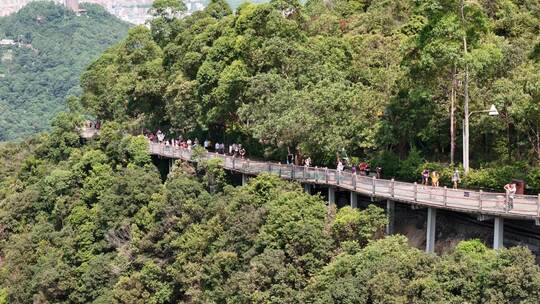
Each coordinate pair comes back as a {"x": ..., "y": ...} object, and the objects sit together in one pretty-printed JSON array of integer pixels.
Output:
[{"x": 53, "y": 46}]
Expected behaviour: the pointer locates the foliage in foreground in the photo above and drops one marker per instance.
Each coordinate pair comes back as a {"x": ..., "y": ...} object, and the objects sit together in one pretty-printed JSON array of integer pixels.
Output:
[{"x": 95, "y": 224}]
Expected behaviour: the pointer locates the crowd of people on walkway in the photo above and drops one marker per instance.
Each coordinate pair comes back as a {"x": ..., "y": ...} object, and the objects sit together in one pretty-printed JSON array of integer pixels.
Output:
[
  {"x": 362, "y": 169},
  {"x": 235, "y": 150},
  {"x": 342, "y": 163},
  {"x": 91, "y": 124},
  {"x": 428, "y": 177},
  {"x": 435, "y": 176}
]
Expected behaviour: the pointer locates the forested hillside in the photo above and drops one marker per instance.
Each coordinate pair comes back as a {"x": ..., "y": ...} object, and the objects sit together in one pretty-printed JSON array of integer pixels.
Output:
[
  {"x": 379, "y": 79},
  {"x": 38, "y": 75},
  {"x": 94, "y": 223}
]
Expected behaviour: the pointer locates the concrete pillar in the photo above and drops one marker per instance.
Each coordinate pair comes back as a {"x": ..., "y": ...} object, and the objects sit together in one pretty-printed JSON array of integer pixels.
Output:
[
  {"x": 354, "y": 199},
  {"x": 430, "y": 231},
  {"x": 307, "y": 188},
  {"x": 498, "y": 233},
  {"x": 331, "y": 196},
  {"x": 391, "y": 214},
  {"x": 244, "y": 179}
]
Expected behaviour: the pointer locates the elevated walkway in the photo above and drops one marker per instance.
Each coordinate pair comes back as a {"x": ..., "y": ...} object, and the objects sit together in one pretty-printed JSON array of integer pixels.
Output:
[{"x": 486, "y": 203}]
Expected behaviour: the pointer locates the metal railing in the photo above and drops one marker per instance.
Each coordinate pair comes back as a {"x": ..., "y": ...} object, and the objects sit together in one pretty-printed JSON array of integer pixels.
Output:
[{"x": 525, "y": 206}]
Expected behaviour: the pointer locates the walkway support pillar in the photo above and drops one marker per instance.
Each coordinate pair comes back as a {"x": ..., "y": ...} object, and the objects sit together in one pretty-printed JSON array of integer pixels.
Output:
[
  {"x": 430, "y": 231},
  {"x": 331, "y": 196},
  {"x": 354, "y": 199},
  {"x": 244, "y": 179},
  {"x": 498, "y": 233},
  {"x": 391, "y": 214},
  {"x": 307, "y": 188}
]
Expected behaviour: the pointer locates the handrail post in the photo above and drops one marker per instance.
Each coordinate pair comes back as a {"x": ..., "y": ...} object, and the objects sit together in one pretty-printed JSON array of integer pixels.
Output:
[
  {"x": 247, "y": 165},
  {"x": 538, "y": 206},
  {"x": 338, "y": 177},
  {"x": 506, "y": 203},
  {"x": 280, "y": 170},
  {"x": 354, "y": 181},
  {"x": 233, "y": 162},
  {"x": 269, "y": 167},
  {"x": 392, "y": 187},
  {"x": 373, "y": 186},
  {"x": 292, "y": 172},
  {"x": 415, "y": 192},
  {"x": 326, "y": 174},
  {"x": 445, "y": 197},
  {"x": 480, "y": 200}
]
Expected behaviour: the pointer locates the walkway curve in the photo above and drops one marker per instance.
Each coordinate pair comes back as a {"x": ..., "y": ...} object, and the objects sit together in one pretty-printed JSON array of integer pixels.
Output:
[{"x": 485, "y": 203}]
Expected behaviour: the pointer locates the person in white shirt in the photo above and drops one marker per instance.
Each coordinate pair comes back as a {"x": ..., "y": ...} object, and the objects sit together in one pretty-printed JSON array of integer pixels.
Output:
[
  {"x": 339, "y": 170},
  {"x": 160, "y": 136},
  {"x": 510, "y": 189},
  {"x": 339, "y": 166}
]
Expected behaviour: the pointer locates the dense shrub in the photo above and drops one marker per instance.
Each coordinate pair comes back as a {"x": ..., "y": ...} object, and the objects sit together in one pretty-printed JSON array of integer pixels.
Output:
[
  {"x": 388, "y": 161},
  {"x": 410, "y": 166},
  {"x": 494, "y": 178}
]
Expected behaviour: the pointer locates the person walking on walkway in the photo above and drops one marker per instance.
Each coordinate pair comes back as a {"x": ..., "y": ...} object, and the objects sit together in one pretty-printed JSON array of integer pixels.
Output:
[
  {"x": 510, "y": 189},
  {"x": 425, "y": 177},
  {"x": 242, "y": 152},
  {"x": 435, "y": 179},
  {"x": 378, "y": 172},
  {"x": 339, "y": 170},
  {"x": 160, "y": 136},
  {"x": 307, "y": 164},
  {"x": 236, "y": 150},
  {"x": 367, "y": 169},
  {"x": 290, "y": 156},
  {"x": 455, "y": 178},
  {"x": 362, "y": 168}
]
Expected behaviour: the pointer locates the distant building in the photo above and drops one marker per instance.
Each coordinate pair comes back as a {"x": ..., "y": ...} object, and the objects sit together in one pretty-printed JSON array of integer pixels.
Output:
[
  {"x": 133, "y": 11},
  {"x": 7, "y": 42}
]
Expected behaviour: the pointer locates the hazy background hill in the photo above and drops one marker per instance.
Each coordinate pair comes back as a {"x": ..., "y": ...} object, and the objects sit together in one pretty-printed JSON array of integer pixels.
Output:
[{"x": 52, "y": 48}]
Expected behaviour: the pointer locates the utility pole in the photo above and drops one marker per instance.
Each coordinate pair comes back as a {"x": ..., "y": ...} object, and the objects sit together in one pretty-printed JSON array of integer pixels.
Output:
[
  {"x": 465, "y": 99},
  {"x": 452, "y": 117}
]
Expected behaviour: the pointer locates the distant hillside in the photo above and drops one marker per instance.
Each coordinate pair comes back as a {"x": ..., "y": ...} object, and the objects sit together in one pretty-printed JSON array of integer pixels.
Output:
[{"x": 52, "y": 47}]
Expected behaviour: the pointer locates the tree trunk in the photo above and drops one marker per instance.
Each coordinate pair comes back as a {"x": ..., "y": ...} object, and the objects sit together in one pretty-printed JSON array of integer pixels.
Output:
[{"x": 538, "y": 146}]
